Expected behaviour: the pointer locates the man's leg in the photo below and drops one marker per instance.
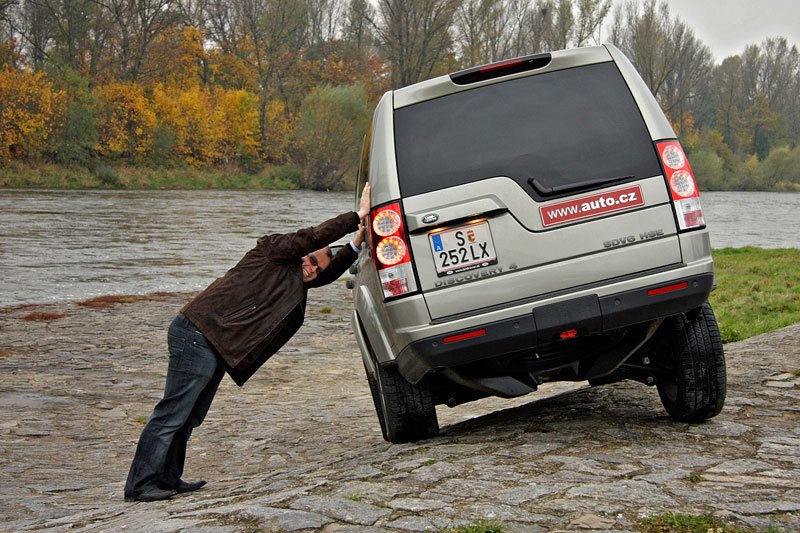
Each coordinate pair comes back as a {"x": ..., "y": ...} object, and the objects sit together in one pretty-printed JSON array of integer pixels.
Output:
[
  {"x": 176, "y": 457},
  {"x": 192, "y": 366}
]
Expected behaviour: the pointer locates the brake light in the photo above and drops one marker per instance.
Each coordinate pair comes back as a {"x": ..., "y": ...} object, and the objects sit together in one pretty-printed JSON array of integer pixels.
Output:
[
  {"x": 682, "y": 185},
  {"x": 390, "y": 251},
  {"x": 501, "y": 68}
]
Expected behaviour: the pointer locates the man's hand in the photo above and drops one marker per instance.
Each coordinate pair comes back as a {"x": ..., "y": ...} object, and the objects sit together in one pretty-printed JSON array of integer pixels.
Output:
[
  {"x": 364, "y": 203},
  {"x": 358, "y": 238}
]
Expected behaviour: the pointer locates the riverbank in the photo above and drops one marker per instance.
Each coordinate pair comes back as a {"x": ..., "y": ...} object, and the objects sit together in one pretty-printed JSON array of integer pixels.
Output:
[
  {"x": 299, "y": 447},
  {"x": 19, "y": 175},
  {"x": 104, "y": 176}
]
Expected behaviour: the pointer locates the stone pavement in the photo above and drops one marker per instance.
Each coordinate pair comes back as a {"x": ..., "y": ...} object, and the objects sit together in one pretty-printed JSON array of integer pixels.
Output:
[{"x": 299, "y": 448}]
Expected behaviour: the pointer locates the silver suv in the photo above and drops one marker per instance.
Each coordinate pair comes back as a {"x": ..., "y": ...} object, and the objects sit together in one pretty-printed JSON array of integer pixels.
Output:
[{"x": 533, "y": 220}]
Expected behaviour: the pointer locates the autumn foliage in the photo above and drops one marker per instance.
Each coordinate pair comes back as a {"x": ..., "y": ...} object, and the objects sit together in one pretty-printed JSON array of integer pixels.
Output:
[
  {"x": 254, "y": 86},
  {"x": 30, "y": 111}
]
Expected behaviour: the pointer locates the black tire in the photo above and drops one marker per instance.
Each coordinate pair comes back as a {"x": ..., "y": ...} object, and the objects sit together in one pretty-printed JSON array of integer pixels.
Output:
[
  {"x": 696, "y": 390},
  {"x": 376, "y": 399},
  {"x": 405, "y": 411}
]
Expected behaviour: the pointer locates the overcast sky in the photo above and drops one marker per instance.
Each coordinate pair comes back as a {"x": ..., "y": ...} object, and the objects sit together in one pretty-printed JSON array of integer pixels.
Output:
[{"x": 727, "y": 26}]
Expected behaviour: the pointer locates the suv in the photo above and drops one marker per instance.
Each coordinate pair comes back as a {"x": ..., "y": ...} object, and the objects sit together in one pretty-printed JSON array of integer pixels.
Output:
[{"x": 533, "y": 220}]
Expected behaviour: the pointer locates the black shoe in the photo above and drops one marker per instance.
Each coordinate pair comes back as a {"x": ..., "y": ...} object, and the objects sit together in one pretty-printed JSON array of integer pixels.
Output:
[
  {"x": 189, "y": 486},
  {"x": 151, "y": 495}
]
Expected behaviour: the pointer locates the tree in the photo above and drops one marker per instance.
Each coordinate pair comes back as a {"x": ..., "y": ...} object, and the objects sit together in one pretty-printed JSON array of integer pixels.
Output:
[
  {"x": 75, "y": 139},
  {"x": 137, "y": 25},
  {"x": 357, "y": 32},
  {"x": 756, "y": 97},
  {"x": 177, "y": 58},
  {"x": 267, "y": 36},
  {"x": 671, "y": 60},
  {"x": 415, "y": 36},
  {"x": 557, "y": 24},
  {"x": 325, "y": 19},
  {"x": 327, "y": 136},
  {"x": 484, "y": 31}
]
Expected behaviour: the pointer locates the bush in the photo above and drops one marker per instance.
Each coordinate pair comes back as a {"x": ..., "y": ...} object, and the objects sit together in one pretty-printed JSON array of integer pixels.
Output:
[
  {"x": 106, "y": 174},
  {"x": 29, "y": 112},
  {"x": 76, "y": 139},
  {"x": 328, "y": 136},
  {"x": 707, "y": 168},
  {"x": 782, "y": 165},
  {"x": 126, "y": 123}
]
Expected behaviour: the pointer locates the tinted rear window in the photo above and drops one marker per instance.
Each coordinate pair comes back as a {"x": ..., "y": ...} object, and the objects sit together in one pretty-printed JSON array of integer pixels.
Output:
[{"x": 562, "y": 128}]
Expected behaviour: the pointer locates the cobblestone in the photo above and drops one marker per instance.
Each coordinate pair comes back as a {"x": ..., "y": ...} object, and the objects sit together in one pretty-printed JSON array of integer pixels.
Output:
[{"x": 299, "y": 448}]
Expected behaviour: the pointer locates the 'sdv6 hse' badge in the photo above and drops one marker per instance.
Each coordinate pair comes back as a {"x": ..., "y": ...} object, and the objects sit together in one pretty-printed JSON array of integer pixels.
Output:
[{"x": 430, "y": 218}]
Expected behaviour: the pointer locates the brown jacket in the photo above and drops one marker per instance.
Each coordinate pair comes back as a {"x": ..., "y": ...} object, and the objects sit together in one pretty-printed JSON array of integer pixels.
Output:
[{"x": 250, "y": 312}]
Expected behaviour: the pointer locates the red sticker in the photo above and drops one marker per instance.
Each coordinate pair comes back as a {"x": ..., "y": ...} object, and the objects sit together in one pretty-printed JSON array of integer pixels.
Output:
[{"x": 592, "y": 205}]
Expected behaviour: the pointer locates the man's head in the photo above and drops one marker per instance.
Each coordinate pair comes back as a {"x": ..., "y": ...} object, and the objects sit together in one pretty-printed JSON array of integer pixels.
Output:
[{"x": 315, "y": 262}]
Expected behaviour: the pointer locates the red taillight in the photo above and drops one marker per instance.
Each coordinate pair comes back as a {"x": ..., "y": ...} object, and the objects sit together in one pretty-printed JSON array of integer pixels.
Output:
[
  {"x": 568, "y": 334},
  {"x": 465, "y": 336},
  {"x": 668, "y": 288},
  {"x": 682, "y": 185},
  {"x": 390, "y": 251}
]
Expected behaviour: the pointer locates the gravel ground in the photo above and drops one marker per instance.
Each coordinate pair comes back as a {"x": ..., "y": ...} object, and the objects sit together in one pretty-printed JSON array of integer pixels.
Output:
[{"x": 299, "y": 447}]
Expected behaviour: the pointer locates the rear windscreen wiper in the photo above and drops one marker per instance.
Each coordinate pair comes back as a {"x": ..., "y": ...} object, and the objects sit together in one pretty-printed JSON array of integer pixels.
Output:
[{"x": 550, "y": 191}]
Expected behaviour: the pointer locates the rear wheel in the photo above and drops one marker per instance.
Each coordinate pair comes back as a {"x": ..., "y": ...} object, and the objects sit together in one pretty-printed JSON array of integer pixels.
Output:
[
  {"x": 695, "y": 390},
  {"x": 405, "y": 411}
]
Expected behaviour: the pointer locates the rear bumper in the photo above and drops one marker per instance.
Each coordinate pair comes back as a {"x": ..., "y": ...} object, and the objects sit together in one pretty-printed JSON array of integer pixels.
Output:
[{"x": 586, "y": 315}]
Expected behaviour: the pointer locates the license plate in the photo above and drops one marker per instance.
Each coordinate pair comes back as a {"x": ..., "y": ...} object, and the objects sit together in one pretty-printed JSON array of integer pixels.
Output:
[{"x": 462, "y": 248}]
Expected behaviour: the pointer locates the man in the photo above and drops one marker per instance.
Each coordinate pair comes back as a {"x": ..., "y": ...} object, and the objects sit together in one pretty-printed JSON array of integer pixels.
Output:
[{"x": 234, "y": 325}]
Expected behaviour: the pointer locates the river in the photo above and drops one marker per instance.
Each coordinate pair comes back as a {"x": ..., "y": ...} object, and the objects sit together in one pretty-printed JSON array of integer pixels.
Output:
[{"x": 68, "y": 245}]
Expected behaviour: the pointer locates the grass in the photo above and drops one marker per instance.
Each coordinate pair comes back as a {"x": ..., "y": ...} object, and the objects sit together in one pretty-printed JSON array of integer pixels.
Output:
[
  {"x": 104, "y": 176},
  {"x": 686, "y": 523},
  {"x": 481, "y": 526},
  {"x": 758, "y": 290},
  {"x": 326, "y": 310}
]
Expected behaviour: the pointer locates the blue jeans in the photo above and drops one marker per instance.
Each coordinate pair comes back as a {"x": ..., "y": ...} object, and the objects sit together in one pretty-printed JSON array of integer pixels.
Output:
[{"x": 194, "y": 372}]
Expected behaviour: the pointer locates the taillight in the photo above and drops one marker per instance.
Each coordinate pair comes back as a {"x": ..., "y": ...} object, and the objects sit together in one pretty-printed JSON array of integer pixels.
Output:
[
  {"x": 390, "y": 251},
  {"x": 682, "y": 185}
]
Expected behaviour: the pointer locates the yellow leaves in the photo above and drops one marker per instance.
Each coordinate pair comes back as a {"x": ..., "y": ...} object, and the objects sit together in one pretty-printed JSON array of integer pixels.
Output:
[
  {"x": 30, "y": 109},
  {"x": 278, "y": 126},
  {"x": 237, "y": 111},
  {"x": 217, "y": 126},
  {"x": 176, "y": 58},
  {"x": 186, "y": 114},
  {"x": 126, "y": 123}
]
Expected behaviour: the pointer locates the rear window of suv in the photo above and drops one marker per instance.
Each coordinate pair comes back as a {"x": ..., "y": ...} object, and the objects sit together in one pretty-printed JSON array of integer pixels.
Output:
[{"x": 563, "y": 128}]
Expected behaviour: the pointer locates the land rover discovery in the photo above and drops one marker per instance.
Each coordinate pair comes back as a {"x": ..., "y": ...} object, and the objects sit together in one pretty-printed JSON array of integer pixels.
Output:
[{"x": 533, "y": 220}]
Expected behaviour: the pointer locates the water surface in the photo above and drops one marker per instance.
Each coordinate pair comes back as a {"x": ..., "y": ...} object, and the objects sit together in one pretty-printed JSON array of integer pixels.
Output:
[{"x": 67, "y": 245}]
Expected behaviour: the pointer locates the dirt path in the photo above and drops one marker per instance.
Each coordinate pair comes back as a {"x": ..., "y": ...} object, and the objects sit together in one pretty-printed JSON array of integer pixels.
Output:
[{"x": 299, "y": 446}]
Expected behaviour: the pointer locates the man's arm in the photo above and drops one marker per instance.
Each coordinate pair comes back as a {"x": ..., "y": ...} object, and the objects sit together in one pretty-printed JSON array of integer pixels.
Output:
[{"x": 292, "y": 246}]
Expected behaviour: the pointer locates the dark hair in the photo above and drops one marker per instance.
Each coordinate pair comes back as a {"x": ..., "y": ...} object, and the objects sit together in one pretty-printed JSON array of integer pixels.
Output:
[{"x": 328, "y": 250}]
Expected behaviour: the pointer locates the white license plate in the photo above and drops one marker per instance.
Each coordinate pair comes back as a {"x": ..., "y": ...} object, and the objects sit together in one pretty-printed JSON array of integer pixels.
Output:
[{"x": 462, "y": 248}]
